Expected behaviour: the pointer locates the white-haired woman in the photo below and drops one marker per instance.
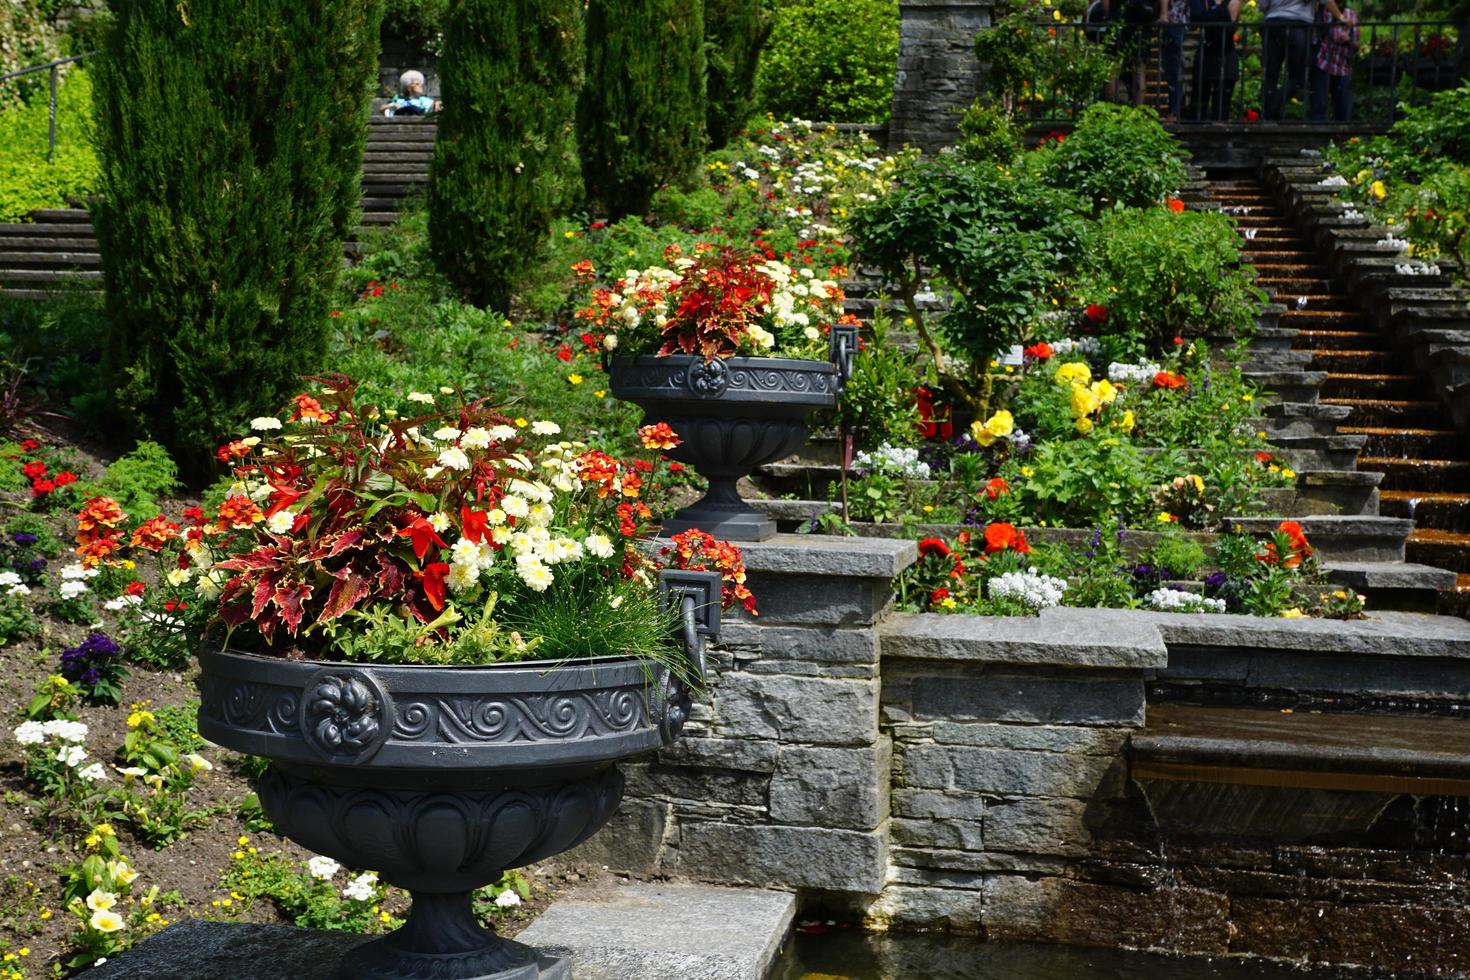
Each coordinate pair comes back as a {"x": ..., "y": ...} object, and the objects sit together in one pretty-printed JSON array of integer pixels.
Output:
[{"x": 411, "y": 100}]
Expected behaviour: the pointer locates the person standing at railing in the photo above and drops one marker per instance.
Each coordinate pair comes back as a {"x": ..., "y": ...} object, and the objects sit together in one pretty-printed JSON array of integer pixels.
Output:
[
  {"x": 1173, "y": 24},
  {"x": 1333, "y": 66},
  {"x": 1217, "y": 63},
  {"x": 1286, "y": 37},
  {"x": 1135, "y": 20}
]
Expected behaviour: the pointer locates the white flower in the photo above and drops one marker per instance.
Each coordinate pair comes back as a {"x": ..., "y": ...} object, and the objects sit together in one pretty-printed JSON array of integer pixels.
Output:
[
  {"x": 507, "y": 899},
  {"x": 208, "y": 585},
  {"x": 541, "y": 514},
  {"x": 1177, "y": 600},
  {"x": 761, "y": 336},
  {"x": 77, "y": 570},
  {"x": 439, "y": 521},
  {"x": 265, "y": 422},
  {"x": 476, "y": 438},
  {"x": 93, "y": 773},
  {"x": 534, "y": 573},
  {"x": 543, "y": 428},
  {"x": 432, "y": 471},
  {"x": 322, "y": 868},
  {"x": 1336, "y": 180},
  {"x": 30, "y": 733},
  {"x": 615, "y": 601},
  {"x": 599, "y": 544},
  {"x": 71, "y": 756},
  {"x": 8, "y": 579},
  {"x": 280, "y": 522},
  {"x": 101, "y": 900},
  {"x": 447, "y": 432},
  {"x": 501, "y": 433},
  {"x": 610, "y": 341},
  {"x": 811, "y": 333},
  {"x": 132, "y": 772},
  {"x": 514, "y": 506},
  {"x": 362, "y": 888},
  {"x": 420, "y": 397},
  {"x": 177, "y": 576},
  {"x": 66, "y": 731},
  {"x": 19, "y": 590},
  {"x": 121, "y": 873},
  {"x": 72, "y": 589},
  {"x": 563, "y": 550},
  {"x": 122, "y": 602},
  {"x": 1034, "y": 590},
  {"x": 454, "y": 458},
  {"x": 198, "y": 763},
  {"x": 463, "y": 575},
  {"x": 893, "y": 461},
  {"x": 1140, "y": 373}
]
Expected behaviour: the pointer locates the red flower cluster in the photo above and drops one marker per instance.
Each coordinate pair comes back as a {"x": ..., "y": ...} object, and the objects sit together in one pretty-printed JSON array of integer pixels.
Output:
[
  {"x": 1039, "y": 351},
  {"x": 1294, "y": 547},
  {"x": 1095, "y": 314},
  {"x": 996, "y": 487},
  {"x": 1002, "y": 536},
  {"x": 700, "y": 552},
  {"x": 935, "y": 421},
  {"x": 43, "y": 482},
  {"x": 1168, "y": 379},
  {"x": 1176, "y": 205},
  {"x": 99, "y": 531},
  {"x": 659, "y": 436}
]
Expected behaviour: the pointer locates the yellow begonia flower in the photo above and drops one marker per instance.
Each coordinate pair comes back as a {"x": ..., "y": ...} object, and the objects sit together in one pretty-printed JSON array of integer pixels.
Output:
[
  {"x": 1289, "y": 473},
  {"x": 101, "y": 900},
  {"x": 1084, "y": 402},
  {"x": 1362, "y": 176},
  {"x": 1199, "y": 485},
  {"x": 105, "y": 921},
  {"x": 1292, "y": 613},
  {"x": 1104, "y": 391},
  {"x": 1127, "y": 422},
  {"x": 1083, "y": 425},
  {"x": 1072, "y": 373},
  {"x": 1378, "y": 191}
]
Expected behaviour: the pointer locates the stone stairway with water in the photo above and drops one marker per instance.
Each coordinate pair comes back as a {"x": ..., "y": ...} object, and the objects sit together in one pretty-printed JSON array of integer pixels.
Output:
[{"x": 57, "y": 248}]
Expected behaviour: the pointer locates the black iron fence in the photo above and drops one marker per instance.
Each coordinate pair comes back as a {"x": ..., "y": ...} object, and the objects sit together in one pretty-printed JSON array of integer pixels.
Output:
[
  {"x": 1251, "y": 72},
  {"x": 54, "y": 67}
]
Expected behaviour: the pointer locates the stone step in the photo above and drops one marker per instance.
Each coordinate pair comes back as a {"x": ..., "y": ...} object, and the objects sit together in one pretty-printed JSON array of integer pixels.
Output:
[
  {"x": 1443, "y": 510},
  {"x": 1443, "y": 549},
  {"x": 1317, "y": 302},
  {"x": 62, "y": 216},
  {"x": 1340, "y": 538},
  {"x": 1294, "y": 284},
  {"x": 48, "y": 243},
  {"x": 1379, "y": 577},
  {"x": 1371, "y": 385},
  {"x": 47, "y": 260},
  {"x": 1387, "y": 411},
  {"x": 48, "y": 276},
  {"x": 1419, "y": 474},
  {"x": 1326, "y": 452},
  {"x": 1324, "y": 341},
  {"x": 1351, "y": 362},
  {"x": 1306, "y": 318},
  {"x": 1390, "y": 442},
  {"x": 1288, "y": 386}
]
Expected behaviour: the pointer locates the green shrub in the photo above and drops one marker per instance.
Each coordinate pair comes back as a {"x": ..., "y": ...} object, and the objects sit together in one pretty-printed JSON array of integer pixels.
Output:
[
  {"x": 419, "y": 22},
  {"x": 27, "y": 180},
  {"x": 1067, "y": 69},
  {"x": 990, "y": 135},
  {"x": 503, "y": 159},
  {"x": 734, "y": 32},
  {"x": 231, "y": 145},
  {"x": 641, "y": 115},
  {"x": 138, "y": 479},
  {"x": 832, "y": 60},
  {"x": 1163, "y": 275},
  {"x": 1117, "y": 156}
]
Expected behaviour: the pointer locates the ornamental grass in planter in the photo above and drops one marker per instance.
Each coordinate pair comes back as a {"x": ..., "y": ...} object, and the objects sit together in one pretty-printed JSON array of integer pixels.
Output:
[
  {"x": 443, "y": 628},
  {"x": 732, "y": 352}
]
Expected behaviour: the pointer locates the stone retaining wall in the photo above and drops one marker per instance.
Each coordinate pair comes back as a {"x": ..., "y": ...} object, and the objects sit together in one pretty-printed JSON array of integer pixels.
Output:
[{"x": 938, "y": 74}]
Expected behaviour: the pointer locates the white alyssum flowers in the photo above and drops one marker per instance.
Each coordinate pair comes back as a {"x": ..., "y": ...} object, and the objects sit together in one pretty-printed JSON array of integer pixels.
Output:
[
  {"x": 363, "y": 888},
  {"x": 507, "y": 899},
  {"x": 72, "y": 588},
  {"x": 893, "y": 460},
  {"x": 322, "y": 868},
  {"x": 40, "y": 732},
  {"x": 1336, "y": 180},
  {"x": 1416, "y": 269},
  {"x": 265, "y": 422},
  {"x": 1086, "y": 346},
  {"x": 1140, "y": 373},
  {"x": 1177, "y": 600},
  {"x": 1031, "y": 588}
]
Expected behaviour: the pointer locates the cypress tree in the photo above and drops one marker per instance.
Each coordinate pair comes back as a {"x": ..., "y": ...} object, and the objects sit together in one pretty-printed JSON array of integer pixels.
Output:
[
  {"x": 641, "y": 116},
  {"x": 734, "y": 33},
  {"x": 230, "y": 137},
  {"x": 504, "y": 155}
]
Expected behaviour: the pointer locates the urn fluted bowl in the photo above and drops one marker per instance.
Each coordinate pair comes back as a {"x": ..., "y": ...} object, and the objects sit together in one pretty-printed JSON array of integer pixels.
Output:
[
  {"x": 732, "y": 414},
  {"x": 440, "y": 778}
]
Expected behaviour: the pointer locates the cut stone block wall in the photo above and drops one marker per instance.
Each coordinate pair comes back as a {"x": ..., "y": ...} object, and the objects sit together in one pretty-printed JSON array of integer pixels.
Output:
[{"x": 937, "y": 71}]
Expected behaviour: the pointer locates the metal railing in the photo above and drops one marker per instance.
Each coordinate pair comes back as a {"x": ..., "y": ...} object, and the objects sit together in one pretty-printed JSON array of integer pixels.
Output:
[
  {"x": 54, "y": 68},
  {"x": 1257, "y": 72}
]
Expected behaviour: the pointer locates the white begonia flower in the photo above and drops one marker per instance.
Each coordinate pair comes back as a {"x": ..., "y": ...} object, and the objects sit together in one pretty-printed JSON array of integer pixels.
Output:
[
  {"x": 544, "y": 428},
  {"x": 420, "y": 397},
  {"x": 454, "y": 458},
  {"x": 280, "y": 522},
  {"x": 72, "y": 589},
  {"x": 178, "y": 576},
  {"x": 610, "y": 341},
  {"x": 8, "y": 579},
  {"x": 507, "y": 899},
  {"x": 71, "y": 756},
  {"x": 463, "y": 576},
  {"x": 132, "y": 772},
  {"x": 501, "y": 433},
  {"x": 265, "y": 423},
  {"x": 600, "y": 545},
  {"x": 446, "y": 432},
  {"x": 515, "y": 506},
  {"x": 439, "y": 521},
  {"x": 66, "y": 731},
  {"x": 122, "y": 602},
  {"x": 432, "y": 471},
  {"x": 540, "y": 514},
  {"x": 30, "y": 733},
  {"x": 477, "y": 437},
  {"x": 361, "y": 888},
  {"x": 93, "y": 773},
  {"x": 322, "y": 868},
  {"x": 77, "y": 570}
]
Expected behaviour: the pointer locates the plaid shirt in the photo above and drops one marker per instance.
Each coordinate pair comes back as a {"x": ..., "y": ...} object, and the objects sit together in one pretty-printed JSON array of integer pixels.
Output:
[{"x": 1340, "y": 45}]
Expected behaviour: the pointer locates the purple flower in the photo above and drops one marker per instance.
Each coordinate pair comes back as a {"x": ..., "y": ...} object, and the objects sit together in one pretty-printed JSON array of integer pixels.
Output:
[
  {"x": 23, "y": 538},
  {"x": 1213, "y": 582}
]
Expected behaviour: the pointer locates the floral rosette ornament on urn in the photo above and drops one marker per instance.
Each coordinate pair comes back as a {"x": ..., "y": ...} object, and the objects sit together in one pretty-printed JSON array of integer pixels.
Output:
[
  {"x": 732, "y": 352},
  {"x": 443, "y": 627}
]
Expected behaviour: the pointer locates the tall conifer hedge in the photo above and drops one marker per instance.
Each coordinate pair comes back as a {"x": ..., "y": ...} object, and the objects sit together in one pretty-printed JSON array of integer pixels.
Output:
[
  {"x": 735, "y": 30},
  {"x": 504, "y": 155},
  {"x": 641, "y": 116},
  {"x": 230, "y": 136}
]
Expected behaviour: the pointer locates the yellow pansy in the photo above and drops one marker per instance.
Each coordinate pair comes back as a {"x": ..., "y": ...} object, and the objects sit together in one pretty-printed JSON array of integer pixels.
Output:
[
  {"x": 1378, "y": 191},
  {"x": 1072, "y": 373},
  {"x": 1126, "y": 423}
]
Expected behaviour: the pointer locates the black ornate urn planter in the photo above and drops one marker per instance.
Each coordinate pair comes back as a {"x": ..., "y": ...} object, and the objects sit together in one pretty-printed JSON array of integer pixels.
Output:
[
  {"x": 733, "y": 415},
  {"x": 442, "y": 778}
]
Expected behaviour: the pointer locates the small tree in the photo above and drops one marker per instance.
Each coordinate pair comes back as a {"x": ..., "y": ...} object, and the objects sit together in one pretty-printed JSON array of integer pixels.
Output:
[
  {"x": 230, "y": 140},
  {"x": 504, "y": 162},
  {"x": 735, "y": 32},
  {"x": 641, "y": 116}
]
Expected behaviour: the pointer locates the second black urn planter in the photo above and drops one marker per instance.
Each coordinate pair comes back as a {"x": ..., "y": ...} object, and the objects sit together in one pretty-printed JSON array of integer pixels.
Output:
[
  {"x": 442, "y": 778},
  {"x": 733, "y": 414}
]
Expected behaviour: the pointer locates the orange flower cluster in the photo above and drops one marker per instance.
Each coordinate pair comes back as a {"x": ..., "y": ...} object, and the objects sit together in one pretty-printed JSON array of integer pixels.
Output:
[
  {"x": 1002, "y": 536},
  {"x": 1294, "y": 550},
  {"x": 99, "y": 533},
  {"x": 701, "y": 552},
  {"x": 659, "y": 436},
  {"x": 154, "y": 533},
  {"x": 1168, "y": 379},
  {"x": 239, "y": 512},
  {"x": 609, "y": 477}
]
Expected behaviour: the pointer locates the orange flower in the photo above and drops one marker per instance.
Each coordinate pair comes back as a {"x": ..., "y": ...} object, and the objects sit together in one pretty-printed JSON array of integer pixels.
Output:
[
  {"x": 99, "y": 512},
  {"x": 996, "y": 488},
  {"x": 235, "y": 449},
  {"x": 154, "y": 533},
  {"x": 1001, "y": 536},
  {"x": 95, "y": 550},
  {"x": 239, "y": 512},
  {"x": 659, "y": 436},
  {"x": 309, "y": 409},
  {"x": 1176, "y": 205}
]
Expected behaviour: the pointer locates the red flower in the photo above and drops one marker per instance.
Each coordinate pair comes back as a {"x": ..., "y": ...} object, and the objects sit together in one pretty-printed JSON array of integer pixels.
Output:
[
  {"x": 175, "y": 605},
  {"x": 1176, "y": 205},
  {"x": 1167, "y": 379},
  {"x": 934, "y": 546},
  {"x": 30, "y": 445},
  {"x": 1251, "y": 116},
  {"x": 421, "y": 534},
  {"x": 1178, "y": 341},
  {"x": 434, "y": 576},
  {"x": 35, "y": 468},
  {"x": 472, "y": 524},
  {"x": 659, "y": 436},
  {"x": 1040, "y": 351},
  {"x": 1096, "y": 314},
  {"x": 938, "y": 596},
  {"x": 42, "y": 486},
  {"x": 65, "y": 477},
  {"x": 1002, "y": 536},
  {"x": 154, "y": 533},
  {"x": 563, "y": 353},
  {"x": 1264, "y": 457},
  {"x": 234, "y": 449},
  {"x": 996, "y": 488},
  {"x": 135, "y": 588}
]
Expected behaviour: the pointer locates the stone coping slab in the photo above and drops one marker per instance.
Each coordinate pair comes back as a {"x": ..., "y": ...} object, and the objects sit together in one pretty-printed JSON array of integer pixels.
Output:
[
  {"x": 1137, "y": 638},
  {"x": 652, "y": 931},
  {"x": 817, "y": 554}
]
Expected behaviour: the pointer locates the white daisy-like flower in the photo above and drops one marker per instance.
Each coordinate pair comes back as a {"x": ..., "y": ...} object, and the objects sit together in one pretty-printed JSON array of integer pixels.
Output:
[
  {"x": 454, "y": 458},
  {"x": 544, "y": 428},
  {"x": 463, "y": 576},
  {"x": 72, "y": 589},
  {"x": 439, "y": 521},
  {"x": 362, "y": 888},
  {"x": 599, "y": 544},
  {"x": 322, "y": 868},
  {"x": 465, "y": 552},
  {"x": 535, "y": 574},
  {"x": 501, "y": 433},
  {"x": 265, "y": 423},
  {"x": 280, "y": 522},
  {"x": 540, "y": 514},
  {"x": 30, "y": 733},
  {"x": 447, "y": 432},
  {"x": 93, "y": 773},
  {"x": 177, "y": 576},
  {"x": 515, "y": 506},
  {"x": 477, "y": 437},
  {"x": 507, "y": 899},
  {"x": 496, "y": 516},
  {"x": 610, "y": 341},
  {"x": 501, "y": 535},
  {"x": 420, "y": 397}
]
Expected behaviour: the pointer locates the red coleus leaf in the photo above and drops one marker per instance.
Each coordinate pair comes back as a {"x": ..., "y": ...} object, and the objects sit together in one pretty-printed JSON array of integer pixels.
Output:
[
  {"x": 390, "y": 576},
  {"x": 289, "y": 600},
  {"x": 281, "y": 499},
  {"x": 347, "y": 592},
  {"x": 265, "y": 590}
]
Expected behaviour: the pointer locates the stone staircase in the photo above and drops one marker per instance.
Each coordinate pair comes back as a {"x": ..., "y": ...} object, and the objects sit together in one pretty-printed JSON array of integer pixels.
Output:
[{"x": 57, "y": 248}]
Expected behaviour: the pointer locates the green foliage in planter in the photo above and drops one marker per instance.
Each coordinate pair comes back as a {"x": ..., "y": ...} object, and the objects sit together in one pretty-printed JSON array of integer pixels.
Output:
[
  {"x": 831, "y": 60},
  {"x": 1116, "y": 156},
  {"x": 641, "y": 115},
  {"x": 230, "y": 138},
  {"x": 734, "y": 31},
  {"x": 1015, "y": 53},
  {"x": 877, "y": 406},
  {"x": 27, "y": 180},
  {"x": 1163, "y": 274},
  {"x": 504, "y": 163},
  {"x": 998, "y": 237}
]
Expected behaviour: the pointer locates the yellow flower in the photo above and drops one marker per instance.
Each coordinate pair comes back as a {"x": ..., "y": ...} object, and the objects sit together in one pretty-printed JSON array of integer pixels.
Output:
[
  {"x": 1072, "y": 373},
  {"x": 106, "y": 921},
  {"x": 242, "y": 840},
  {"x": 1167, "y": 518},
  {"x": 1056, "y": 15},
  {"x": 1027, "y": 472},
  {"x": 928, "y": 508},
  {"x": 1292, "y": 613},
  {"x": 1104, "y": 391},
  {"x": 1002, "y": 423},
  {"x": 1362, "y": 176},
  {"x": 1084, "y": 402},
  {"x": 101, "y": 900},
  {"x": 1288, "y": 473},
  {"x": 600, "y": 392},
  {"x": 948, "y": 602},
  {"x": 1083, "y": 425},
  {"x": 1126, "y": 424},
  {"x": 574, "y": 379},
  {"x": 139, "y": 717},
  {"x": 1378, "y": 191},
  {"x": 521, "y": 423},
  {"x": 1199, "y": 485}
]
